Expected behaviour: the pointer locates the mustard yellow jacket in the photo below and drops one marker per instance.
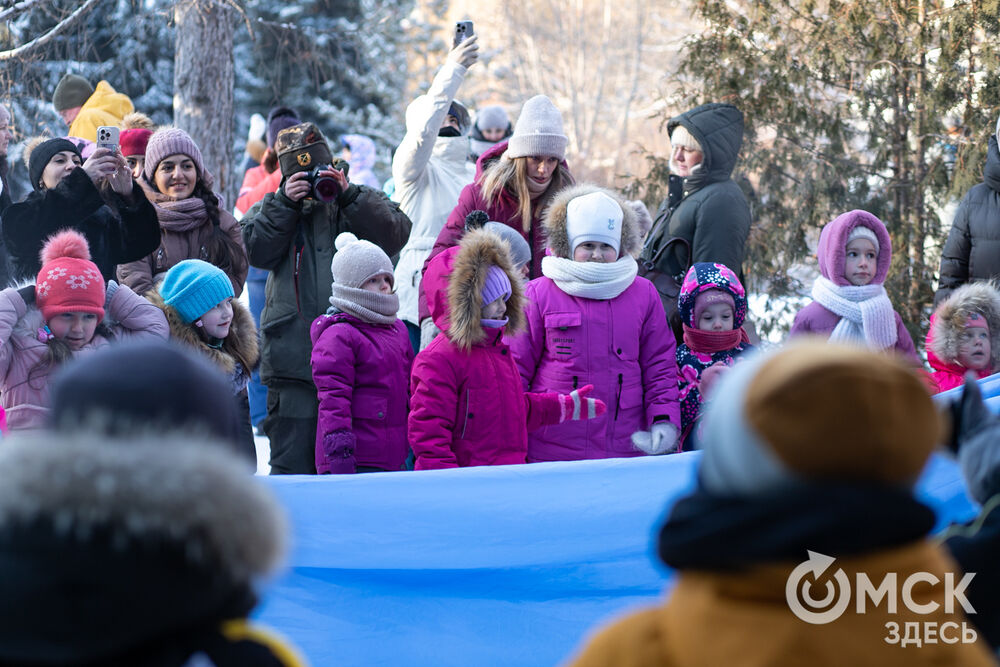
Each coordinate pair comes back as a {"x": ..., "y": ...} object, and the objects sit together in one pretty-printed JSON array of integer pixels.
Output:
[
  {"x": 105, "y": 107},
  {"x": 742, "y": 618}
]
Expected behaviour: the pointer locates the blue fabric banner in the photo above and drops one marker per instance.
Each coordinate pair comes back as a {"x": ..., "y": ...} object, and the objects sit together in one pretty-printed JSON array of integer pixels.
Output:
[{"x": 507, "y": 565}]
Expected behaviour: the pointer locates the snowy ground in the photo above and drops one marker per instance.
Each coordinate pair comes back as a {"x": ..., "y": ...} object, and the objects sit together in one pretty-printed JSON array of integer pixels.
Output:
[{"x": 263, "y": 454}]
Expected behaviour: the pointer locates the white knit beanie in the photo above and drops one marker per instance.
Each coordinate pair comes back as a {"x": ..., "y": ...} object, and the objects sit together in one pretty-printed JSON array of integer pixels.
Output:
[
  {"x": 356, "y": 261},
  {"x": 862, "y": 232},
  {"x": 682, "y": 137},
  {"x": 594, "y": 217},
  {"x": 538, "y": 131}
]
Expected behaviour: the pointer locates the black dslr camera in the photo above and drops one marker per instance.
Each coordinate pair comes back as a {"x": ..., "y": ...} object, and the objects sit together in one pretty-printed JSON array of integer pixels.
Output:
[{"x": 324, "y": 188}]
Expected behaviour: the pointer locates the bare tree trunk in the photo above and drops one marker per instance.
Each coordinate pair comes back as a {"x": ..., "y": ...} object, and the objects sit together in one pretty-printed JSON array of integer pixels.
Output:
[{"x": 203, "y": 85}]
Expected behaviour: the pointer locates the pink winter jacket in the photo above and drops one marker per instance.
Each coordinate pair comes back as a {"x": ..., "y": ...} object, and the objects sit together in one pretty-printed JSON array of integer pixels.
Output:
[
  {"x": 622, "y": 346},
  {"x": 467, "y": 405},
  {"x": 24, "y": 389},
  {"x": 361, "y": 372}
]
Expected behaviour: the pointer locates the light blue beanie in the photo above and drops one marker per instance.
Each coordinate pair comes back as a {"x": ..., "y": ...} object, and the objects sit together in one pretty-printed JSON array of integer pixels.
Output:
[{"x": 194, "y": 287}]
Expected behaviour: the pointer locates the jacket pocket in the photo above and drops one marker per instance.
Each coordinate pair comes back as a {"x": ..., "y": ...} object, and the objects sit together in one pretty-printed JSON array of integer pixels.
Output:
[
  {"x": 563, "y": 334},
  {"x": 472, "y": 420},
  {"x": 370, "y": 406},
  {"x": 627, "y": 416}
]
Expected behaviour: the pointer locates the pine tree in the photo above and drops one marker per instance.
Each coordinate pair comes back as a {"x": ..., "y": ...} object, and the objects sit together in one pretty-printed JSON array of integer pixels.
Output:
[{"x": 847, "y": 105}]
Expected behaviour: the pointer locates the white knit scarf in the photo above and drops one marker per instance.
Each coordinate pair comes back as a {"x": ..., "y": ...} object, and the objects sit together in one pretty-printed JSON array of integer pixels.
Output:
[
  {"x": 367, "y": 306},
  {"x": 866, "y": 314},
  {"x": 591, "y": 280}
]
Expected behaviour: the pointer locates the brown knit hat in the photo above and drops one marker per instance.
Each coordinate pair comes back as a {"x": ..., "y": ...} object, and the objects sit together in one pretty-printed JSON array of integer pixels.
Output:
[
  {"x": 301, "y": 147},
  {"x": 819, "y": 412}
]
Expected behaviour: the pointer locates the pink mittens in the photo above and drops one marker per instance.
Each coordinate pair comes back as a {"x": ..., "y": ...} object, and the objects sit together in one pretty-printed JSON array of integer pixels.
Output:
[{"x": 575, "y": 405}]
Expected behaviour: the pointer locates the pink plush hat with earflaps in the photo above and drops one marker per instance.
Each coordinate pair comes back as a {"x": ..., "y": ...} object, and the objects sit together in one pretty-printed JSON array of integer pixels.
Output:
[{"x": 832, "y": 251}]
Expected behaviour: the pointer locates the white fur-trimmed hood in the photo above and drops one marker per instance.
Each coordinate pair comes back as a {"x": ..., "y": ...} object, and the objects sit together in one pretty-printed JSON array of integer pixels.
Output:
[{"x": 952, "y": 313}]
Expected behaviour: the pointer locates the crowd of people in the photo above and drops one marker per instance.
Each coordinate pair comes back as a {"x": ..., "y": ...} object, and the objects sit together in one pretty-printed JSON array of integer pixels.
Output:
[{"x": 490, "y": 310}]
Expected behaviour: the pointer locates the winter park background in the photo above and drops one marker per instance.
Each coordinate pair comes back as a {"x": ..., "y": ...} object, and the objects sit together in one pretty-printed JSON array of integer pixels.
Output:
[{"x": 884, "y": 106}]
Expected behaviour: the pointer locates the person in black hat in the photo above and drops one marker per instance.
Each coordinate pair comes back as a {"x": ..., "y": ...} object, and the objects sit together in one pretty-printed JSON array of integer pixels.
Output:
[{"x": 96, "y": 197}]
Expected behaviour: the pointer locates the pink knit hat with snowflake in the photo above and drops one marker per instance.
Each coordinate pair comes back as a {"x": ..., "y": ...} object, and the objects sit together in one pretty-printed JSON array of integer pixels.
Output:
[{"x": 68, "y": 282}]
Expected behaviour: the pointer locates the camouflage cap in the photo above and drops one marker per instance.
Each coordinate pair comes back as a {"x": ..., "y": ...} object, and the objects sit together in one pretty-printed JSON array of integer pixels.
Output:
[{"x": 301, "y": 147}]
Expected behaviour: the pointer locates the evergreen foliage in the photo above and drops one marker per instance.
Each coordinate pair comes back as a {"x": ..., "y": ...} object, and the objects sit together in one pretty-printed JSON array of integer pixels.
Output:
[{"x": 884, "y": 106}]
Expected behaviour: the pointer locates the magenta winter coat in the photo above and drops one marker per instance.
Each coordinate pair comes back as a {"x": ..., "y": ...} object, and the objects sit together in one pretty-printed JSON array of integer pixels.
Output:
[
  {"x": 467, "y": 406},
  {"x": 361, "y": 372},
  {"x": 622, "y": 346}
]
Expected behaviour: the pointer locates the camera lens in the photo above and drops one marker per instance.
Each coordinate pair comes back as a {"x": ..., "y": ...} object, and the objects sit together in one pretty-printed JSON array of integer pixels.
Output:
[{"x": 325, "y": 189}]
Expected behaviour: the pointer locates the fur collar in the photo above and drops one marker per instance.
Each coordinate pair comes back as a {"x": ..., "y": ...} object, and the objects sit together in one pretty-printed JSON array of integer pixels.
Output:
[
  {"x": 952, "y": 313},
  {"x": 240, "y": 346},
  {"x": 554, "y": 222},
  {"x": 196, "y": 495},
  {"x": 478, "y": 251}
]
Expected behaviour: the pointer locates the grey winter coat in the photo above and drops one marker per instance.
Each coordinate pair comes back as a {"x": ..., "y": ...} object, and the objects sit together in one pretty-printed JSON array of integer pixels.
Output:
[
  {"x": 707, "y": 208},
  {"x": 972, "y": 251},
  {"x": 294, "y": 241}
]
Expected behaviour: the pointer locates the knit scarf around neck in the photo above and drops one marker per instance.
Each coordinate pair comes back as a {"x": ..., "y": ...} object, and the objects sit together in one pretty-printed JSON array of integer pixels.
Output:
[
  {"x": 538, "y": 189},
  {"x": 591, "y": 280},
  {"x": 710, "y": 342},
  {"x": 177, "y": 215},
  {"x": 866, "y": 314},
  {"x": 367, "y": 306}
]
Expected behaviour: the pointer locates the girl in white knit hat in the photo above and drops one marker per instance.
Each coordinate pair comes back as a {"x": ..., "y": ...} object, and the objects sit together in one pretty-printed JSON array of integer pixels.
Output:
[
  {"x": 593, "y": 321},
  {"x": 361, "y": 361}
]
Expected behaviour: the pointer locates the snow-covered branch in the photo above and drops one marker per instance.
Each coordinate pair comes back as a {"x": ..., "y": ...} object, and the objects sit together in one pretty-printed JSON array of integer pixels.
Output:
[
  {"x": 17, "y": 8},
  {"x": 42, "y": 40}
]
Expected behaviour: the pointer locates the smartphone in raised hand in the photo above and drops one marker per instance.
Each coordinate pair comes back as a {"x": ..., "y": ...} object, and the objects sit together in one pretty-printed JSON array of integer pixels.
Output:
[
  {"x": 463, "y": 31},
  {"x": 107, "y": 137}
]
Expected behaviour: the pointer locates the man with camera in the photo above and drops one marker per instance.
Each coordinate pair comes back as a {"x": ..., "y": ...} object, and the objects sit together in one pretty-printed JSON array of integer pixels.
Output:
[{"x": 291, "y": 233}]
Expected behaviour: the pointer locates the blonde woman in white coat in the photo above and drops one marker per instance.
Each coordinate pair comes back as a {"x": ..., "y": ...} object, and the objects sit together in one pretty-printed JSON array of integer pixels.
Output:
[{"x": 430, "y": 169}]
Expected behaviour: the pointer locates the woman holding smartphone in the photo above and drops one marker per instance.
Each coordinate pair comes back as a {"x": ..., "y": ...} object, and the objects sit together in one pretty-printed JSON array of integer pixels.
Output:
[
  {"x": 96, "y": 197},
  {"x": 192, "y": 225}
]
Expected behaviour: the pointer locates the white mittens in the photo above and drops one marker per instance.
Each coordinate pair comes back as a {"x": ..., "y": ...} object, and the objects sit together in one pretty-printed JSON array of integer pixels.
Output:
[{"x": 660, "y": 439}]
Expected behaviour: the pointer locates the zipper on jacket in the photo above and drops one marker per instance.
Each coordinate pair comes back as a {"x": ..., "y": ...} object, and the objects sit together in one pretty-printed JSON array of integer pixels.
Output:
[
  {"x": 575, "y": 381},
  {"x": 618, "y": 399},
  {"x": 466, "y": 424}
]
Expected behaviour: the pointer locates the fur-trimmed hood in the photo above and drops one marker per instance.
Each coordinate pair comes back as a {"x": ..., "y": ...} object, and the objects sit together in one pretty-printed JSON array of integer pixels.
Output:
[
  {"x": 948, "y": 322},
  {"x": 240, "y": 346},
  {"x": 478, "y": 251},
  {"x": 554, "y": 222},
  {"x": 149, "y": 538}
]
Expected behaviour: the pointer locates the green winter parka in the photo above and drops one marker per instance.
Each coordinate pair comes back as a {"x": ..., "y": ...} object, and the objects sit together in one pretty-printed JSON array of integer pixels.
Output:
[{"x": 295, "y": 242}]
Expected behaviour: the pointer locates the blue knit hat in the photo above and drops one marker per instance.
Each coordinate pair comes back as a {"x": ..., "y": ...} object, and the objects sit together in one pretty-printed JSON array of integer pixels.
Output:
[{"x": 194, "y": 287}]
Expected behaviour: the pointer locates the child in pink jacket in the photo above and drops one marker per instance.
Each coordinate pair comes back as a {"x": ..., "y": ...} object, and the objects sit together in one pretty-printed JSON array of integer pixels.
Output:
[
  {"x": 467, "y": 406},
  {"x": 68, "y": 312},
  {"x": 592, "y": 320},
  {"x": 965, "y": 335},
  {"x": 361, "y": 361}
]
